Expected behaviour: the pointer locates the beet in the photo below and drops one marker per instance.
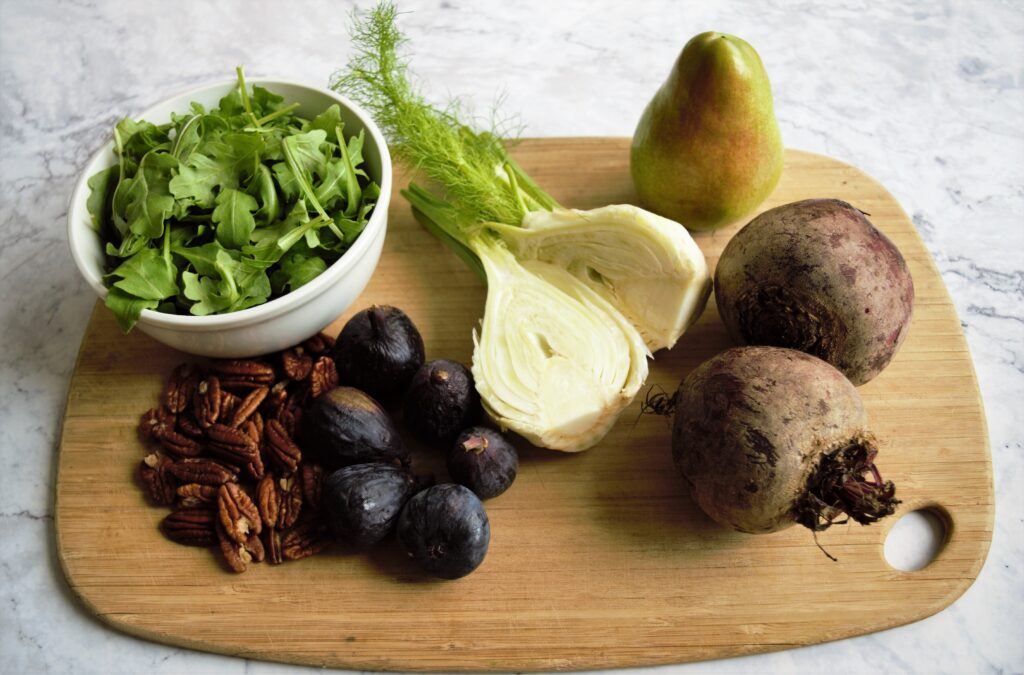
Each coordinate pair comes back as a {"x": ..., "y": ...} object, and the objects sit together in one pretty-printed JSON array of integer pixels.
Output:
[
  {"x": 362, "y": 501},
  {"x": 445, "y": 530},
  {"x": 817, "y": 276},
  {"x": 442, "y": 401},
  {"x": 345, "y": 426},
  {"x": 378, "y": 351},
  {"x": 766, "y": 437},
  {"x": 484, "y": 461}
]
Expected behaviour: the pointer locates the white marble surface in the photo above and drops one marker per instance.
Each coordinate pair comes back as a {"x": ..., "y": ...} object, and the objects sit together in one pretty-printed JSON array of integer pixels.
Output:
[{"x": 924, "y": 95}]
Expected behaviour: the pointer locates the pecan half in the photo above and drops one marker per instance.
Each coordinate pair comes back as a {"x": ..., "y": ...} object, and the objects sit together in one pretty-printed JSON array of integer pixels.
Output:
[
  {"x": 237, "y": 514},
  {"x": 268, "y": 500},
  {"x": 154, "y": 422},
  {"x": 235, "y": 447},
  {"x": 201, "y": 470},
  {"x": 255, "y": 547},
  {"x": 228, "y": 403},
  {"x": 243, "y": 375},
  {"x": 290, "y": 415},
  {"x": 319, "y": 343},
  {"x": 196, "y": 495},
  {"x": 248, "y": 406},
  {"x": 187, "y": 425},
  {"x": 312, "y": 478},
  {"x": 296, "y": 363},
  {"x": 290, "y": 496},
  {"x": 280, "y": 447},
  {"x": 272, "y": 544},
  {"x": 206, "y": 401},
  {"x": 179, "y": 444},
  {"x": 276, "y": 399},
  {"x": 323, "y": 377},
  {"x": 180, "y": 387},
  {"x": 191, "y": 527},
  {"x": 252, "y": 430},
  {"x": 306, "y": 539},
  {"x": 155, "y": 477},
  {"x": 235, "y": 554}
]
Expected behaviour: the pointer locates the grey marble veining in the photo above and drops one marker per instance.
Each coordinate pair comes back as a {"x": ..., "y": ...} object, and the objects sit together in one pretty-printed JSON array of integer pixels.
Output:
[{"x": 928, "y": 97}]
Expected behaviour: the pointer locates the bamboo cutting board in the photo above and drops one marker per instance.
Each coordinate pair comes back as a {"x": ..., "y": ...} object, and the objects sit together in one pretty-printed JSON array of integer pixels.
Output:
[{"x": 596, "y": 560}]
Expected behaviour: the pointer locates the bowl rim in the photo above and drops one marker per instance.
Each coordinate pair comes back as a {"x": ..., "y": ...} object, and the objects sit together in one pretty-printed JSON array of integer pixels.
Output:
[{"x": 300, "y": 296}]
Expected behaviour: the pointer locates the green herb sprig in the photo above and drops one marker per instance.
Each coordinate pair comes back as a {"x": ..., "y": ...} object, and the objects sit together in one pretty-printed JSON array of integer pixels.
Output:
[
  {"x": 481, "y": 182},
  {"x": 223, "y": 209}
]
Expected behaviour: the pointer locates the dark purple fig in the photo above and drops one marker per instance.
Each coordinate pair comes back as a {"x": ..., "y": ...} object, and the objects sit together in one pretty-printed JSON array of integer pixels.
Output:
[
  {"x": 441, "y": 401},
  {"x": 346, "y": 426},
  {"x": 378, "y": 351},
  {"x": 484, "y": 461},
  {"x": 362, "y": 501},
  {"x": 445, "y": 530}
]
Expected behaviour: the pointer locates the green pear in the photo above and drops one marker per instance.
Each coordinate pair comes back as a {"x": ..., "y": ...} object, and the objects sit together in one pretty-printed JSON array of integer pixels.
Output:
[{"x": 707, "y": 149}]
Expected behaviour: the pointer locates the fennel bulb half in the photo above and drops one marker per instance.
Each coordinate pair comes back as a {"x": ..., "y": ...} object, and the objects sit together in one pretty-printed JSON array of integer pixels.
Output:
[{"x": 576, "y": 300}]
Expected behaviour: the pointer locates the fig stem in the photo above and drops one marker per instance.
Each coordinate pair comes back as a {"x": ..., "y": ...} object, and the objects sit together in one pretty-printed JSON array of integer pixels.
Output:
[
  {"x": 475, "y": 444},
  {"x": 376, "y": 318}
]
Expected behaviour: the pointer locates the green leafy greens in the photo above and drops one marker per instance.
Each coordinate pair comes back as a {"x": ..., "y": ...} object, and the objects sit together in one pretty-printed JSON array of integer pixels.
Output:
[{"x": 223, "y": 209}]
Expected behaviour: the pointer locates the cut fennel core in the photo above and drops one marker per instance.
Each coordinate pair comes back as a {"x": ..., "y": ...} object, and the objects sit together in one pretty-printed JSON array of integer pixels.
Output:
[{"x": 576, "y": 300}]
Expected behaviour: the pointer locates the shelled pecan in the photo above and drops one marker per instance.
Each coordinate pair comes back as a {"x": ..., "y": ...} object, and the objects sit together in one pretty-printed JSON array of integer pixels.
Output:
[
  {"x": 238, "y": 555},
  {"x": 268, "y": 500},
  {"x": 248, "y": 406},
  {"x": 180, "y": 388},
  {"x": 213, "y": 429},
  {"x": 305, "y": 539},
  {"x": 272, "y": 545},
  {"x": 178, "y": 444},
  {"x": 155, "y": 422},
  {"x": 237, "y": 512},
  {"x": 239, "y": 375},
  {"x": 156, "y": 478},
  {"x": 191, "y": 527},
  {"x": 228, "y": 403},
  {"x": 312, "y": 478},
  {"x": 323, "y": 377},
  {"x": 280, "y": 447},
  {"x": 296, "y": 363},
  {"x": 203, "y": 471},
  {"x": 206, "y": 401},
  {"x": 319, "y": 344},
  {"x": 196, "y": 495},
  {"x": 187, "y": 425},
  {"x": 291, "y": 501},
  {"x": 235, "y": 447}
]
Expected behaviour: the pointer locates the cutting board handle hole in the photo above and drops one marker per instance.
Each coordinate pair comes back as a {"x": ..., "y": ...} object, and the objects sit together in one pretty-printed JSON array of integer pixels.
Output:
[{"x": 916, "y": 539}]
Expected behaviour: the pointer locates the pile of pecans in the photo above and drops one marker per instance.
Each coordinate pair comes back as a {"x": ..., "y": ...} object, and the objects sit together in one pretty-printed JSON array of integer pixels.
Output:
[{"x": 226, "y": 461}]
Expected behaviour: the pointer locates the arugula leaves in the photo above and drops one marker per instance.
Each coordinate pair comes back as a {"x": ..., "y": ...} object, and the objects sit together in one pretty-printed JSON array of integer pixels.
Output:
[{"x": 223, "y": 209}]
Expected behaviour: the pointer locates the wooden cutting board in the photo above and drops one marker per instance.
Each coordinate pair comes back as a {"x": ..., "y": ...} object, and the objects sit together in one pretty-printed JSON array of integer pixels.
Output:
[{"x": 597, "y": 560}]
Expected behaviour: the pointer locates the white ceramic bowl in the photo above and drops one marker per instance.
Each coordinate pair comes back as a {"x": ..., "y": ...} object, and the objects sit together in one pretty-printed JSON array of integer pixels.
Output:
[{"x": 284, "y": 321}]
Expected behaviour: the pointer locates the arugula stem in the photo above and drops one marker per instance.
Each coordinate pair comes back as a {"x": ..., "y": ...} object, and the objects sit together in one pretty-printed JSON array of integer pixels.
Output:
[
  {"x": 176, "y": 150},
  {"x": 300, "y": 178},
  {"x": 245, "y": 97},
  {"x": 293, "y": 237},
  {"x": 351, "y": 185},
  {"x": 167, "y": 243},
  {"x": 277, "y": 113}
]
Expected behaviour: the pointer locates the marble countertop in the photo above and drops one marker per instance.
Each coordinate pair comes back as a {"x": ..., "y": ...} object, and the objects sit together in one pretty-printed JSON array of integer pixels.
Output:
[{"x": 926, "y": 96}]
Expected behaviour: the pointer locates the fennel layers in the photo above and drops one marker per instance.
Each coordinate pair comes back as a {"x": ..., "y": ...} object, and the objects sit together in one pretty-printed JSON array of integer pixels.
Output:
[{"x": 576, "y": 300}]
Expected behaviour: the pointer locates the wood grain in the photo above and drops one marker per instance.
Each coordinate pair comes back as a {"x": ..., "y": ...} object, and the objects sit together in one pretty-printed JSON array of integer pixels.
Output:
[{"x": 596, "y": 560}]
